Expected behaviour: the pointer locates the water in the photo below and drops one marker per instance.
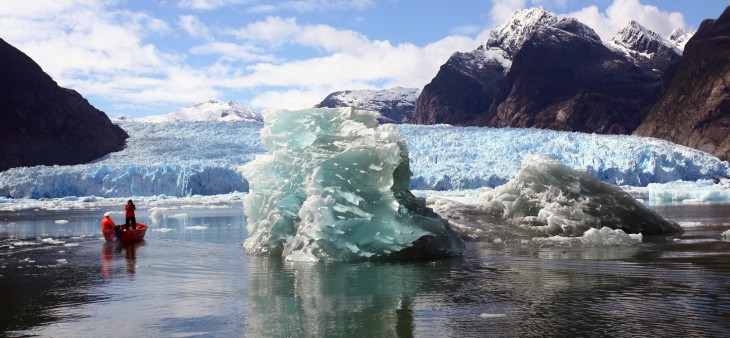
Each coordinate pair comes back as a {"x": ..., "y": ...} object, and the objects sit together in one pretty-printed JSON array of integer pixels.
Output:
[{"x": 195, "y": 279}]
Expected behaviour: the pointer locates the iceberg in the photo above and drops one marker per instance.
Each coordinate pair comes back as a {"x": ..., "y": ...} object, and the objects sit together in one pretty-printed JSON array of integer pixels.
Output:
[
  {"x": 334, "y": 187},
  {"x": 552, "y": 198}
]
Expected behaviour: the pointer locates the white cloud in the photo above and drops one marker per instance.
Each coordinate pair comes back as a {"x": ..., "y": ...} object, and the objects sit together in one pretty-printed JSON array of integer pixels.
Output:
[
  {"x": 208, "y": 4},
  {"x": 353, "y": 60},
  {"x": 620, "y": 12},
  {"x": 301, "y": 6},
  {"x": 230, "y": 51},
  {"x": 502, "y": 9},
  {"x": 194, "y": 27}
]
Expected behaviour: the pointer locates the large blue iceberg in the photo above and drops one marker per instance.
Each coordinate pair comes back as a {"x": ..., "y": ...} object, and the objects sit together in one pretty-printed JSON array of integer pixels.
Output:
[{"x": 334, "y": 187}]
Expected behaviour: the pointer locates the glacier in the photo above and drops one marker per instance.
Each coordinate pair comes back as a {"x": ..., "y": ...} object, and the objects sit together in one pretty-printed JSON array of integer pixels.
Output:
[
  {"x": 334, "y": 187},
  {"x": 189, "y": 158}
]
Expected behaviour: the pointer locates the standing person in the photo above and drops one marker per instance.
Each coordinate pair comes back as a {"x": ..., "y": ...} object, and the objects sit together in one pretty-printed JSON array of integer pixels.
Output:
[{"x": 130, "y": 215}]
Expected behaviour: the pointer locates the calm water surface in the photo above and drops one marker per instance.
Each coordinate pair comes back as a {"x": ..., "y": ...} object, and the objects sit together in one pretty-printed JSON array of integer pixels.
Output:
[{"x": 195, "y": 279}]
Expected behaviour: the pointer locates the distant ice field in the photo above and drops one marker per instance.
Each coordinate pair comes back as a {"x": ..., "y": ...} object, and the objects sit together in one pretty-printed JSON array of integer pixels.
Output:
[{"x": 203, "y": 158}]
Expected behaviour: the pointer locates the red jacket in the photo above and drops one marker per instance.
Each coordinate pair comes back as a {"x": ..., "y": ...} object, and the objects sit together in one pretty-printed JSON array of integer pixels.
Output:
[
  {"x": 107, "y": 223},
  {"x": 130, "y": 210}
]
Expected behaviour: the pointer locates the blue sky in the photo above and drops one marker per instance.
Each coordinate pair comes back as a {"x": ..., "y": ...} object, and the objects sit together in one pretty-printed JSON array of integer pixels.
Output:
[{"x": 139, "y": 58}]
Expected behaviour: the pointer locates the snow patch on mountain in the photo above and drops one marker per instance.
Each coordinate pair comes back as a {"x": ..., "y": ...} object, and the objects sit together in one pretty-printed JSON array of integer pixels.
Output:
[
  {"x": 679, "y": 38},
  {"x": 510, "y": 35},
  {"x": 211, "y": 111},
  {"x": 395, "y": 105},
  {"x": 644, "y": 47}
]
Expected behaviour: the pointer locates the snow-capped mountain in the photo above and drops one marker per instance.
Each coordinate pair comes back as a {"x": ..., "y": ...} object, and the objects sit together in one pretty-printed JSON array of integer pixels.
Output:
[
  {"x": 211, "y": 111},
  {"x": 679, "y": 38},
  {"x": 395, "y": 105},
  {"x": 510, "y": 35},
  {"x": 645, "y": 48},
  {"x": 467, "y": 83},
  {"x": 537, "y": 70}
]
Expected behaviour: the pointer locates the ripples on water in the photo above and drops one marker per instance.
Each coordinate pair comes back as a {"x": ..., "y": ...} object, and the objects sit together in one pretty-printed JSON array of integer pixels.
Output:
[{"x": 195, "y": 279}]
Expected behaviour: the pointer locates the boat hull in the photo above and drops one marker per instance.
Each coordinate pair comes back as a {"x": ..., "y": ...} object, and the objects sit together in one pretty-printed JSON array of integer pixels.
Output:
[{"x": 126, "y": 236}]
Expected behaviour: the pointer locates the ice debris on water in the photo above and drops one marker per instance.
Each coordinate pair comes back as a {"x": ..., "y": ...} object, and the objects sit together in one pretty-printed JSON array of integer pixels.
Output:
[
  {"x": 334, "y": 187},
  {"x": 554, "y": 199}
]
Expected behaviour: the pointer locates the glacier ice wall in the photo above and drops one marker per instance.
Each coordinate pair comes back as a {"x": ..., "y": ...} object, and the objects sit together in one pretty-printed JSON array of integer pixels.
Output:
[
  {"x": 446, "y": 157},
  {"x": 334, "y": 187},
  {"x": 552, "y": 198},
  {"x": 174, "y": 159},
  {"x": 187, "y": 158}
]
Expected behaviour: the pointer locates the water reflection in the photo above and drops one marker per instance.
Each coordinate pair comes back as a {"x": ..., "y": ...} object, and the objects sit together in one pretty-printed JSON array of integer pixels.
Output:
[
  {"x": 111, "y": 250},
  {"x": 341, "y": 299}
]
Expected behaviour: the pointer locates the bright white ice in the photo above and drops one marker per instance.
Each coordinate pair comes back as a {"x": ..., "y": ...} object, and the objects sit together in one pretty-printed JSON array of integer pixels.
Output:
[{"x": 189, "y": 158}]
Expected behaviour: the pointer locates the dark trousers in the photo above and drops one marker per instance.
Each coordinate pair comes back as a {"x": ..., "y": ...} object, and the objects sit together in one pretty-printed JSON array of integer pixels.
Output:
[{"x": 131, "y": 220}]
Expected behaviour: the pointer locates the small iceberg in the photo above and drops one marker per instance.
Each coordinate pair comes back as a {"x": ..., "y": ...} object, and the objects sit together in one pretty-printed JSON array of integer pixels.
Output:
[
  {"x": 554, "y": 199},
  {"x": 334, "y": 187}
]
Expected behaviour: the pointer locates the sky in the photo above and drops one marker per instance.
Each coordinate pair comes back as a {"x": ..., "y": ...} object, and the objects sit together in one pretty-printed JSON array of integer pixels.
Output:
[{"x": 148, "y": 57}]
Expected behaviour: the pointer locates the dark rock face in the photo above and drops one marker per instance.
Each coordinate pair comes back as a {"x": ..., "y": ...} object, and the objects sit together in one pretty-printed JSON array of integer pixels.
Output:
[
  {"x": 44, "y": 124},
  {"x": 695, "y": 110},
  {"x": 461, "y": 91},
  {"x": 564, "y": 78},
  {"x": 467, "y": 83},
  {"x": 395, "y": 105}
]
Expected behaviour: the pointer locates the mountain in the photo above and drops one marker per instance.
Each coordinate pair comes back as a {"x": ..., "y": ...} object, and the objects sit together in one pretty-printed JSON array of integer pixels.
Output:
[
  {"x": 565, "y": 78},
  {"x": 646, "y": 48},
  {"x": 539, "y": 71},
  {"x": 44, "y": 124},
  {"x": 695, "y": 110},
  {"x": 465, "y": 86},
  {"x": 395, "y": 105},
  {"x": 211, "y": 111}
]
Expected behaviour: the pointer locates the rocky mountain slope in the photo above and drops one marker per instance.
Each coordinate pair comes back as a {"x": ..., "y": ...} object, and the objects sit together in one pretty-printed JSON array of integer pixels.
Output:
[
  {"x": 695, "y": 111},
  {"x": 395, "y": 105},
  {"x": 538, "y": 71},
  {"x": 44, "y": 124},
  {"x": 211, "y": 111},
  {"x": 565, "y": 78}
]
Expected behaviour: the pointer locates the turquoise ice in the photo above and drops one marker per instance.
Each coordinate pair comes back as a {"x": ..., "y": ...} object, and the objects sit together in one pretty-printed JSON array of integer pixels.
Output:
[{"x": 334, "y": 187}]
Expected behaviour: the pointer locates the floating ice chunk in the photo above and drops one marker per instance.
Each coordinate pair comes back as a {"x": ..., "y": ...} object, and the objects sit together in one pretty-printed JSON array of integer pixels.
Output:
[
  {"x": 333, "y": 187},
  {"x": 726, "y": 235},
  {"x": 690, "y": 224},
  {"x": 62, "y": 261},
  {"x": 183, "y": 215},
  {"x": 197, "y": 227},
  {"x": 492, "y": 315},
  {"x": 23, "y": 243},
  {"x": 156, "y": 215},
  {"x": 163, "y": 229},
  {"x": 61, "y": 221},
  {"x": 52, "y": 241},
  {"x": 593, "y": 238},
  {"x": 553, "y": 198}
]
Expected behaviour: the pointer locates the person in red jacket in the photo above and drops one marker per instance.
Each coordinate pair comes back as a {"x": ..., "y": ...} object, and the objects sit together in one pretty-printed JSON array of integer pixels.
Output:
[
  {"x": 108, "y": 226},
  {"x": 130, "y": 219}
]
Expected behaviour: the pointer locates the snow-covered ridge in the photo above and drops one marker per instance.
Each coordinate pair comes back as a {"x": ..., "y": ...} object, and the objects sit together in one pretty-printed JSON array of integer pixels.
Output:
[
  {"x": 186, "y": 158},
  {"x": 376, "y": 99},
  {"x": 212, "y": 111},
  {"x": 679, "y": 38},
  {"x": 510, "y": 35}
]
